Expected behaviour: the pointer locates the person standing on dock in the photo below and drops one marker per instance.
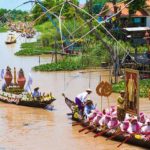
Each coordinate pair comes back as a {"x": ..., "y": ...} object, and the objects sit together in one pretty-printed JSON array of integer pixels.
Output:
[
  {"x": 121, "y": 106},
  {"x": 81, "y": 98}
]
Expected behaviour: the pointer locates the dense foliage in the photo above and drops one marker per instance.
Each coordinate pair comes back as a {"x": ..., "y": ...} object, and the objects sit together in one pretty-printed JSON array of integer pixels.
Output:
[
  {"x": 3, "y": 29},
  {"x": 144, "y": 87},
  {"x": 63, "y": 65},
  {"x": 30, "y": 49},
  {"x": 15, "y": 15},
  {"x": 93, "y": 49},
  {"x": 136, "y": 5},
  {"x": 67, "y": 10}
]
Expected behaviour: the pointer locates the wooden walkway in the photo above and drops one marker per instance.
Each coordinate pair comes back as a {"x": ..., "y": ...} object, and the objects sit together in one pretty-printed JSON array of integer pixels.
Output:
[{"x": 59, "y": 53}]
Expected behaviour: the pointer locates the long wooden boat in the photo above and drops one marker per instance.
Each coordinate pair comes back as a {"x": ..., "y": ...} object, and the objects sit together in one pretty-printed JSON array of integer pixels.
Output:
[
  {"x": 26, "y": 99},
  {"x": 134, "y": 140}
]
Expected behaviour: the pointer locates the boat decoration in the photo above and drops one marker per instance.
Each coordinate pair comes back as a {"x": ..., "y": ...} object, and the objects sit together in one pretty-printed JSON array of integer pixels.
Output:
[{"x": 14, "y": 92}]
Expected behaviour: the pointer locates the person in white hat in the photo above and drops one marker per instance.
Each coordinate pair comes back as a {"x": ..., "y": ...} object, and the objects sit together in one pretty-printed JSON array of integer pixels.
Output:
[
  {"x": 81, "y": 98},
  {"x": 142, "y": 118},
  {"x": 113, "y": 111},
  {"x": 121, "y": 106},
  {"x": 135, "y": 126},
  {"x": 146, "y": 128},
  {"x": 96, "y": 119},
  {"x": 113, "y": 123},
  {"x": 105, "y": 120},
  {"x": 124, "y": 126}
]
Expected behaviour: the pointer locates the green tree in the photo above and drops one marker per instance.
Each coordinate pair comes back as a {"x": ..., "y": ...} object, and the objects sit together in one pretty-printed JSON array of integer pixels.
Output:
[
  {"x": 37, "y": 10},
  {"x": 136, "y": 5}
]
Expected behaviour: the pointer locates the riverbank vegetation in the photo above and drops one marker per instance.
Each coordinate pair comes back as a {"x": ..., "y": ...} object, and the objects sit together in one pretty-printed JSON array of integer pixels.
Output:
[
  {"x": 34, "y": 48},
  {"x": 66, "y": 64},
  {"x": 3, "y": 29},
  {"x": 96, "y": 47},
  {"x": 144, "y": 87}
]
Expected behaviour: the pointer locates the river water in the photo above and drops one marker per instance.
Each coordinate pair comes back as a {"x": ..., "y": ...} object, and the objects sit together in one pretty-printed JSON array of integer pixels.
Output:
[{"x": 24, "y": 128}]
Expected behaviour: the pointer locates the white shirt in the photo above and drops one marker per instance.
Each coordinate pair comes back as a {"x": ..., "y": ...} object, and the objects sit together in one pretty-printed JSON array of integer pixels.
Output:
[
  {"x": 103, "y": 121},
  {"x": 96, "y": 119},
  {"x": 134, "y": 128},
  {"x": 112, "y": 124},
  {"x": 146, "y": 129},
  {"x": 82, "y": 96}
]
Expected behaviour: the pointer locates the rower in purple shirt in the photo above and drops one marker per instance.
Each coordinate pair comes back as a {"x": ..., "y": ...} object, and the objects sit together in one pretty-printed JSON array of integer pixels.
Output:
[{"x": 81, "y": 98}]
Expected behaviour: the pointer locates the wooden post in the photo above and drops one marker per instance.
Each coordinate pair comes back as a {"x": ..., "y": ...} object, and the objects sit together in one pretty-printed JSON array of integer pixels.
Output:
[
  {"x": 55, "y": 52},
  {"x": 89, "y": 79},
  {"x": 108, "y": 103},
  {"x": 15, "y": 76},
  {"x": 39, "y": 60},
  {"x": 101, "y": 103}
]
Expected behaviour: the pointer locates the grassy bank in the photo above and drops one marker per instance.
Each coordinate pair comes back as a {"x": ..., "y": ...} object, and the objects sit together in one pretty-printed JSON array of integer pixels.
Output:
[
  {"x": 144, "y": 87},
  {"x": 68, "y": 64},
  {"x": 3, "y": 29},
  {"x": 31, "y": 49}
]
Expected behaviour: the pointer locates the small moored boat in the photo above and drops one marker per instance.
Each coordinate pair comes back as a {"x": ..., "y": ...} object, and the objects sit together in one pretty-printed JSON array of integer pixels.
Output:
[{"x": 11, "y": 39}]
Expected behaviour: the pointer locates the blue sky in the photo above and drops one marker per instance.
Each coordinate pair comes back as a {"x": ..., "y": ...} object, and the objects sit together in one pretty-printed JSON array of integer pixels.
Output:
[
  {"x": 82, "y": 1},
  {"x": 11, "y": 4}
]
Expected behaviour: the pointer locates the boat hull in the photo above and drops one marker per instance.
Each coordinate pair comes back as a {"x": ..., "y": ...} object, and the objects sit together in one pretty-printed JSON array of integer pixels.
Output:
[
  {"x": 10, "y": 42},
  {"x": 29, "y": 103},
  {"x": 133, "y": 140},
  {"x": 35, "y": 103}
]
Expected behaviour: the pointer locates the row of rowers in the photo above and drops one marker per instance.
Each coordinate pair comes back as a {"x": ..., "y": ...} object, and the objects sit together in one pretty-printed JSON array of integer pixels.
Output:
[{"x": 109, "y": 117}]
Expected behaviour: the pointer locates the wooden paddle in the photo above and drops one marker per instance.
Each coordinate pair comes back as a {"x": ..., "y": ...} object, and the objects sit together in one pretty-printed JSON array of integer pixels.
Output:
[
  {"x": 101, "y": 133},
  {"x": 76, "y": 124},
  {"x": 114, "y": 135},
  {"x": 126, "y": 139},
  {"x": 90, "y": 131},
  {"x": 84, "y": 128},
  {"x": 98, "y": 134},
  {"x": 69, "y": 114},
  {"x": 147, "y": 134},
  {"x": 64, "y": 95}
]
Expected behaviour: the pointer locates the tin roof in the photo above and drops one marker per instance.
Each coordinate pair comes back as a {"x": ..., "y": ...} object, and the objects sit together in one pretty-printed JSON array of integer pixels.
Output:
[{"x": 125, "y": 11}]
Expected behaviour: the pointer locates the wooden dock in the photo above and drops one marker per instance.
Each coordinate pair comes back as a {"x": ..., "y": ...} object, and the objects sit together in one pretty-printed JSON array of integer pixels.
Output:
[{"x": 60, "y": 53}]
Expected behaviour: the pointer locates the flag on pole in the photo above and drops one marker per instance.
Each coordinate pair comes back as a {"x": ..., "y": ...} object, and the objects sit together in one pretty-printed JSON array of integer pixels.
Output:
[
  {"x": 2, "y": 74},
  {"x": 30, "y": 81}
]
